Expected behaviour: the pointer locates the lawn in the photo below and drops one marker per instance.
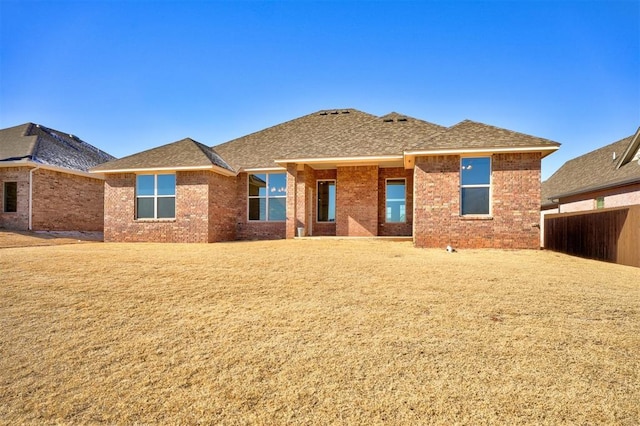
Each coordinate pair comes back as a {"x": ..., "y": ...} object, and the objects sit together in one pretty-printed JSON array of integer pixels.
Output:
[{"x": 314, "y": 332}]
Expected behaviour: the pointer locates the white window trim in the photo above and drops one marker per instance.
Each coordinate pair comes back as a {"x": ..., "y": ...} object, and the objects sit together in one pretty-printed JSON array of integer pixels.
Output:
[
  {"x": 318, "y": 198},
  {"x": 489, "y": 185},
  {"x": 386, "y": 181},
  {"x": 155, "y": 196},
  {"x": 266, "y": 197}
]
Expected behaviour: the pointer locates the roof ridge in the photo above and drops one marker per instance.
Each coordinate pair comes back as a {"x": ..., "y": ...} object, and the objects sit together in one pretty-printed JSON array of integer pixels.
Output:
[
  {"x": 319, "y": 112},
  {"x": 208, "y": 152}
]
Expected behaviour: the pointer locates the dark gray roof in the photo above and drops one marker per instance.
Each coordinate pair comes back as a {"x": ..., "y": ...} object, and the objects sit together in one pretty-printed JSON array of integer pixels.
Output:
[
  {"x": 43, "y": 145},
  {"x": 181, "y": 154},
  {"x": 593, "y": 171}
]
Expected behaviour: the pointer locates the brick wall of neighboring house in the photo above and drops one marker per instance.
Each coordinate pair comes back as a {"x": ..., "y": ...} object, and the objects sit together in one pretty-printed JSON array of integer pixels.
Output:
[
  {"x": 194, "y": 190},
  {"x": 627, "y": 195},
  {"x": 67, "y": 202},
  {"x": 18, "y": 220},
  {"x": 515, "y": 195},
  {"x": 253, "y": 230},
  {"x": 395, "y": 229},
  {"x": 357, "y": 201}
]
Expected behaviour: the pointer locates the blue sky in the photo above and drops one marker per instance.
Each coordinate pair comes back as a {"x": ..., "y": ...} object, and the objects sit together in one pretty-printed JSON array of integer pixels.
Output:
[{"x": 127, "y": 76}]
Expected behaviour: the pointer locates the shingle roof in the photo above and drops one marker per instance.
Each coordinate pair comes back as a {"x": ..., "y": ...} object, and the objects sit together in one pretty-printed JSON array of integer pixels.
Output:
[
  {"x": 470, "y": 134},
  {"x": 47, "y": 146},
  {"x": 595, "y": 170},
  {"x": 331, "y": 134},
  {"x": 185, "y": 153},
  {"x": 352, "y": 133},
  {"x": 311, "y": 135}
]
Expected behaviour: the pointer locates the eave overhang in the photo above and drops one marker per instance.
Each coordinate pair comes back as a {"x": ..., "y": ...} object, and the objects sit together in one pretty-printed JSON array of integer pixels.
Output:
[
  {"x": 142, "y": 170},
  {"x": 334, "y": 162},
  {"x": 410, "y": 156},
  {"x": 33, "y": 164}
]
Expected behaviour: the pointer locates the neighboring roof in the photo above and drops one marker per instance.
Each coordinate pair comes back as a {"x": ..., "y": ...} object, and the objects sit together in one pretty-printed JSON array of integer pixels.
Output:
[
  {"x": 470, "y": 134},
  {"x": 39, "y": 144},
  {"x": 593, "y": 171},
  {"x": 183, "y": 154}
]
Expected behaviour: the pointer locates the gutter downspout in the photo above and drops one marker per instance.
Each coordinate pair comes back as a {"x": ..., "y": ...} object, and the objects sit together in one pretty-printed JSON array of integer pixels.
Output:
[{"x": 31, "y": 196}]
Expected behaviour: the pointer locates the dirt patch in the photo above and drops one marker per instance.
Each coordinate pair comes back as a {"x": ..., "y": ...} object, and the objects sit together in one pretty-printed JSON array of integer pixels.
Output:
[{"x": 315, "y": 332}]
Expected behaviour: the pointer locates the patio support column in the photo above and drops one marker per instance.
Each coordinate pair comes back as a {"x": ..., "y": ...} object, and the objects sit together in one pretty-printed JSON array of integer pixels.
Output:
[{"x": 292, "y": 174}]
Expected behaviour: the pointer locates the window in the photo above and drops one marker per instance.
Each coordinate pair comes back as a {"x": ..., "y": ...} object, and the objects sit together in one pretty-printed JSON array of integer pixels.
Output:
[
  {"x": 10, "y": 197},
  {"x": 156, "y": 196},
  {"x": 600, "y": 203},
  {"x": 326, "y": 201},
  {"x": 396, "y": 205},
  {"x": 475, "y": 184},
  {"x": 268, "y": 196}
]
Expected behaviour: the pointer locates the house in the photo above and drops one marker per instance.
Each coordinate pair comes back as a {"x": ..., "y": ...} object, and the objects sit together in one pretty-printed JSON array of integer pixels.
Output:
[
  {"x": 335, "y": 173},
  {"x": 44, "y": 183},
  {"x": 606, "y": 177}
]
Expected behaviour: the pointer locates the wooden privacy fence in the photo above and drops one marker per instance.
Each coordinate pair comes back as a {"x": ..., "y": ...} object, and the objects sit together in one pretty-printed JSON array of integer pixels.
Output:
[{"x": 611, "y": 234}]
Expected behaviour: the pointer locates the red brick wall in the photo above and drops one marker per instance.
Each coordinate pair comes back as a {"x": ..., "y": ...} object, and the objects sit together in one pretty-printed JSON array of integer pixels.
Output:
[
  {"x": 357, "y": 201},
  {"x": 321, "y": 228},
  {"x": 254, "y": 230},
  {"x": 200, "y": 195},
  {"x": 515, "y": 195},
  {"x": 394, "y": 229},
  {"x": 66, "y": 202},
  {"x": 19, "y": 220},
  {"x": 61, "y": 201},
  {"x": 222, "y": 208}
]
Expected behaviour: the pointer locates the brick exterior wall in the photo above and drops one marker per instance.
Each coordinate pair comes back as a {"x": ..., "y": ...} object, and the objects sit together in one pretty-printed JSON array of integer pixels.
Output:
[
  {"x": 515, "y": 195},
  {"x": 357, "y": 201},
  {"x": 321, "y": 228},
  {"x": 200, "y": 196},
  {"x": 223, "y": 210},
  {"x": 254, "y": 230},
  {"x": 395, "y": 229},
  {"x": 622, "y": 196},
  {"x": 19, "y": 220},
  {"x": 61, "y": 201}
]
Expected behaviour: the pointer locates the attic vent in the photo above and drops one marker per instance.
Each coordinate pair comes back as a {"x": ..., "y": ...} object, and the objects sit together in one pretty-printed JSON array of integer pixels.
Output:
[
  {"x": 323, "y": 113},
  {"x": 388, "y": 120},
  {"x": 334, "y": 112},
  {"x": 402, "y": 119},
  {"x": 346, "y": 112}
]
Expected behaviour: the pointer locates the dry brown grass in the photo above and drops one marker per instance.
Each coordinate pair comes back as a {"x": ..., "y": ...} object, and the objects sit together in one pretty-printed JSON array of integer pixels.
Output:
[{"x": 315, "y": 332}]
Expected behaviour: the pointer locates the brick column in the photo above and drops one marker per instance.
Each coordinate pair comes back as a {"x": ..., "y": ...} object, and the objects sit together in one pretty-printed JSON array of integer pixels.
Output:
[{"x": 292, "y": 174}]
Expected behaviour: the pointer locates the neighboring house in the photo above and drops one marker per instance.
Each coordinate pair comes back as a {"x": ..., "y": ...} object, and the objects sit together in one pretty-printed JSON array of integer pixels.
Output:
[
  {"x": 606, "y": 177},
  {"x": 335, "y": 173},
  {"x": 44, "y": 183}
]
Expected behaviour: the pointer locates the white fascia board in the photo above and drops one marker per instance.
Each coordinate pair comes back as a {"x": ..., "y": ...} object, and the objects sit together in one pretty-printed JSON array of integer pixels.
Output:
[
  {"x": 216, "y": 169},
  {"x": 341, "y": 159},
  {"x": 20, "y": 163},
  {"x": 459, "y": 151},
  {"x": 263, "y": 169}
]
